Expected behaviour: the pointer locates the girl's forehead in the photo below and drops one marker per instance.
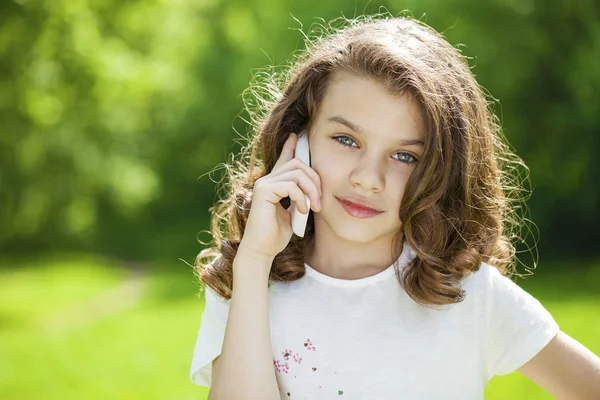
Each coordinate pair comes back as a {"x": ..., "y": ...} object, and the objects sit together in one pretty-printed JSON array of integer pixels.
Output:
[{"x": 366, "y": 106}]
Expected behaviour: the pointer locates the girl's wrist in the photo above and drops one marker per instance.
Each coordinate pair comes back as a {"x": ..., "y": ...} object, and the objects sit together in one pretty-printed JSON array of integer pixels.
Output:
[
  {"x": 248, "y": 253},
  {"x": 250, "y": 261}
]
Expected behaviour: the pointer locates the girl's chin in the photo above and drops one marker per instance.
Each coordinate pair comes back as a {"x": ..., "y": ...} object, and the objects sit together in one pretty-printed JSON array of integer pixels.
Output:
[
  {"x": 351, "y": 229},
  {"x": 355, "y": 233}
]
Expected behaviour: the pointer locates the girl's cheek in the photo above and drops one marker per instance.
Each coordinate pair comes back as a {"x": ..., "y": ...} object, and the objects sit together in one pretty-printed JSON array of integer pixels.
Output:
[
  {"x": 330, "y": 166},
  {"x": 334, "y": 158}
]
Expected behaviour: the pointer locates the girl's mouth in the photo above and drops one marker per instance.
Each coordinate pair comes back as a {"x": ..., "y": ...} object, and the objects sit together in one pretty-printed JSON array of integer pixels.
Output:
[{"x": 358, "y": 211}]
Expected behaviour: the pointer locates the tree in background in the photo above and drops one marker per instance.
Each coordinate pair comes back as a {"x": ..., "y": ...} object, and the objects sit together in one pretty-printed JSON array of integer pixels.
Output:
[{"x": 110, "y": 111}]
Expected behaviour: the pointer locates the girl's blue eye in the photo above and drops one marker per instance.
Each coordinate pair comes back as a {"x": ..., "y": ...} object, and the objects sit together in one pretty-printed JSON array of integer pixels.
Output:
[
  {"x": 405, "y": 158},
  {"x": 346, "y": 143}
]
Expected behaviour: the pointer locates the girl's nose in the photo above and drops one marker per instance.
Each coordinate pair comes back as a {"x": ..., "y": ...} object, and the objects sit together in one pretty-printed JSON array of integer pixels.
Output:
[{"x": 369, "y": 174}]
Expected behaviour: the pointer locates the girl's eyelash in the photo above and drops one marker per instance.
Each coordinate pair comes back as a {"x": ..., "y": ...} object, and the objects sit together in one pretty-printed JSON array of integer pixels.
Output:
[
  {"x": 336, "y": 138},
  {"x": 342, "y": 137}
]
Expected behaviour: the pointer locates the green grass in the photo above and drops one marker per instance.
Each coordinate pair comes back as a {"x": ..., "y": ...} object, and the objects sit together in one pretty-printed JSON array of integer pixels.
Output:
[
  {"x": 67, "y": 333},
  {"x": 82, "y": 327}
]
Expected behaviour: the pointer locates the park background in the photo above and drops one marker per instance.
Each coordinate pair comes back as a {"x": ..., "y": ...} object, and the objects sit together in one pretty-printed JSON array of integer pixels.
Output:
[{"x": 112, "y": 114}]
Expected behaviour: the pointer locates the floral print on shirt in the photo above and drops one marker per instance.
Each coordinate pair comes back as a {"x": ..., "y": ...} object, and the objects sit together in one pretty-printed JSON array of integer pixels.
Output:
[{"x": 288, "y": 355}]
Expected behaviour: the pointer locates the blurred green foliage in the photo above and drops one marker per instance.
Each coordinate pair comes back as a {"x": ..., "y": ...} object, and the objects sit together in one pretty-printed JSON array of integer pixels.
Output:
[{"x": 111, "y": 110}]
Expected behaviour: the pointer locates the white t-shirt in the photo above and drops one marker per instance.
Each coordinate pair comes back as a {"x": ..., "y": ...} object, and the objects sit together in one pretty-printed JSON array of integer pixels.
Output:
[{"x": 367, "y": 339}]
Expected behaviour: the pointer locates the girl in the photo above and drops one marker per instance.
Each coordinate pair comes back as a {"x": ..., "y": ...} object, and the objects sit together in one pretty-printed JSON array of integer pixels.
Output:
[{"x": 399, "y": 288}]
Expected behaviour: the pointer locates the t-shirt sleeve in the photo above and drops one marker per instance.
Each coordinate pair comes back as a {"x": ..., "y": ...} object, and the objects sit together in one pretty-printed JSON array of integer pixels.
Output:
[
  {"x": 519, "y": 325},
  {"x": 209, "y": 341}
]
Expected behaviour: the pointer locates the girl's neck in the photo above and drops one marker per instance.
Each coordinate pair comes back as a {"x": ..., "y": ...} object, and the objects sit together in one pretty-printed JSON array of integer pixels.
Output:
[{"x": 342, "y": 259}]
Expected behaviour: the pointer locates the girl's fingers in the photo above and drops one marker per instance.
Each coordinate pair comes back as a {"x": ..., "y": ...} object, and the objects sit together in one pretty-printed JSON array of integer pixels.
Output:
[
  {"x": 287, "y": 153},
  {"x": 305, "y": 183},
  {"x": 294, "y": 165},
  {"x": 285, "y": 189}
]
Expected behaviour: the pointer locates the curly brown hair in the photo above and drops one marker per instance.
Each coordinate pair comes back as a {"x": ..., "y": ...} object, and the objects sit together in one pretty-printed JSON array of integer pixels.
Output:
[{"x": 461, "y": 203}]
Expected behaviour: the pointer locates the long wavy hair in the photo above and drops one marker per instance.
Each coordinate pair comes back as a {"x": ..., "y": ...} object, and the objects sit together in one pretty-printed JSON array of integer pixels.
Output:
[{"x": 460, "y": 203}]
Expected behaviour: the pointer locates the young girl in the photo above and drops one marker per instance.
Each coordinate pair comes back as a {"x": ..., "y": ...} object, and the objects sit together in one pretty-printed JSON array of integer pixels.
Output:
[{"x": 400, "y": 287}]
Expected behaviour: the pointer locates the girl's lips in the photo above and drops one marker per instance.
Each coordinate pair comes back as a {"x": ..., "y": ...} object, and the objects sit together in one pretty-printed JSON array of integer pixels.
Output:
[{"x": 357, "y": 211}]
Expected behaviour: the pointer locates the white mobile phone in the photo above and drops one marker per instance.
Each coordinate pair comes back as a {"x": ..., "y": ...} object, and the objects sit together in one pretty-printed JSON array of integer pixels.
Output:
[{"x": 302, "y": 152}]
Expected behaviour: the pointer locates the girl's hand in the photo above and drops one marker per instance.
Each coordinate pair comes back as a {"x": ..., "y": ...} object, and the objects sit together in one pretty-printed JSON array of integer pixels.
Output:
[{"x": 269, "y": 227}]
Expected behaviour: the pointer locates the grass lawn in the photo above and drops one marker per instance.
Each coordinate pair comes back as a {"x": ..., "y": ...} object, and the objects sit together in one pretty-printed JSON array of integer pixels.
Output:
[{"x": 86, "y": 328}]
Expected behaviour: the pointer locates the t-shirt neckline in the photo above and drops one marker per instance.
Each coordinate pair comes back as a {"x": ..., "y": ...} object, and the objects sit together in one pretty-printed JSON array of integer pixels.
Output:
[{"x": 403, "y": 259}]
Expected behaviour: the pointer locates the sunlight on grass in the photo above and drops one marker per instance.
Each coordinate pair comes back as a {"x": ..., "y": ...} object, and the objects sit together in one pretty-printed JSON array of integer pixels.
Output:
[
  {"x": 88, "y": 328},
  {"x": 31, "y": 291}
]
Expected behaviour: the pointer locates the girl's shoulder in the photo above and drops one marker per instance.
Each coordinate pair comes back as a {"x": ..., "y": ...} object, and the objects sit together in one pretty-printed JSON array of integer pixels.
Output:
[
  {"x": 501, "y": 295},
  {"x": 480, "y": 279},
  {"x": 489, "y": 276},
  {"x": 489, "y": 282}
]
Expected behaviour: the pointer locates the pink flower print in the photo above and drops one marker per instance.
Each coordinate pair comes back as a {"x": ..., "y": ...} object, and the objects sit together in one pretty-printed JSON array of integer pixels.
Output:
[
  {"x": 286, "y": 354},
  {"x": 309, "y": 346},
  {"x": 278, "y": 365}
]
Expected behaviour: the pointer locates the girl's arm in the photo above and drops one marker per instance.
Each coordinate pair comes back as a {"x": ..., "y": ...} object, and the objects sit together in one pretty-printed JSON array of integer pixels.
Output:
[
  {"x": 566, "y": 369},
  {"x": 244, "y": 370},
  {"x": 245, "y": 367}
]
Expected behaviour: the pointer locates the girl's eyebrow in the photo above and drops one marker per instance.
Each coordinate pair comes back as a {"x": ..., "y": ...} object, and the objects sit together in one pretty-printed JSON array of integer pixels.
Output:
[{"x": 341, "y": 120}]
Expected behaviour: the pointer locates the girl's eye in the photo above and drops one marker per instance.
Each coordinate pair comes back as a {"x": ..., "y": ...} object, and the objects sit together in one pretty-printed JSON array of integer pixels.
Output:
[
  {"x": 347, "y": 141},
  {"x": 344, "y": 140},
  {"x": 406, "y": 158}
]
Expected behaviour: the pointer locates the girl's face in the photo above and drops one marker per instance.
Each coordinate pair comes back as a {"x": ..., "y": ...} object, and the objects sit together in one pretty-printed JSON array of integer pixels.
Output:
[{"x": 364, "y": 145}]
